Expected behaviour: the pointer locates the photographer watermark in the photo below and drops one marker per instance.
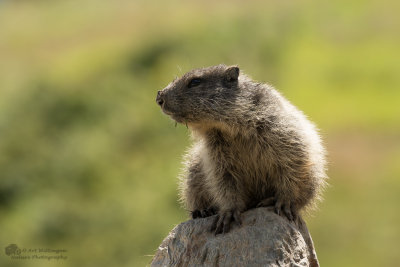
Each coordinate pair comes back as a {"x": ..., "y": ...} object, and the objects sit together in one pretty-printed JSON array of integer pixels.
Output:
[{"x": 17, "y": 253}]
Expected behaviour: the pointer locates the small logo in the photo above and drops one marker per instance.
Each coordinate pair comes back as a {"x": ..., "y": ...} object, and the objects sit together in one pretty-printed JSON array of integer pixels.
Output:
[{"x": 12, "y": 249}]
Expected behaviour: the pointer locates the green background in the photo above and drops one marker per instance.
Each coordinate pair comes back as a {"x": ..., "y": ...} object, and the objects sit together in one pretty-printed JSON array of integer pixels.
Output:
[{"x": 88, "y": 162}]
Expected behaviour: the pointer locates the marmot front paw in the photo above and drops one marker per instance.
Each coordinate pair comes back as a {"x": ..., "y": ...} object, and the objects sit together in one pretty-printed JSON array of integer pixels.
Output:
[
  {"x": 222, "y": 222},
  {"x": 281, "y": 207},
  {"x": 203, "y": 213}
]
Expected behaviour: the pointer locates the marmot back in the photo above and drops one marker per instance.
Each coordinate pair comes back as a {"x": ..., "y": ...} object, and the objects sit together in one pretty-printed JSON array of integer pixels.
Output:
[{"x": 252, "y": 147}]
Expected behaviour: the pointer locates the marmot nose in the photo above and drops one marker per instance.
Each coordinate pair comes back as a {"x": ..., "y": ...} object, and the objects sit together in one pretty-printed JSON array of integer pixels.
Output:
[{"x": 159, "y": 99}]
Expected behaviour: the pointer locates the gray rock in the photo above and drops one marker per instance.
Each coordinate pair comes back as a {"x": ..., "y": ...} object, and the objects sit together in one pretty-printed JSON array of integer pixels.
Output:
[{"x": 264, "y": 239}]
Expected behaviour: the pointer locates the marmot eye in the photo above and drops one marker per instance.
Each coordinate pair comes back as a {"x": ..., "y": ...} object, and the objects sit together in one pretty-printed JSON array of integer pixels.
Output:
[{"x": 194, "y": 82}]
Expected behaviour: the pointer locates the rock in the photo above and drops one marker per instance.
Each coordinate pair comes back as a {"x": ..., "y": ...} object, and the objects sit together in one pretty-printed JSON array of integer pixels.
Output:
[{"x": 264, "y": 239}]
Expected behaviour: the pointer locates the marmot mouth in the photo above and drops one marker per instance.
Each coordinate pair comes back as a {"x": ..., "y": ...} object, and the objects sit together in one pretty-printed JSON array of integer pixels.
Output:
[
  {"x": 166, "y": 109},
  {"x": 173, "y": 115},
  {"x": 167, "y": 112},
  {"x": 179, "y": 118}
]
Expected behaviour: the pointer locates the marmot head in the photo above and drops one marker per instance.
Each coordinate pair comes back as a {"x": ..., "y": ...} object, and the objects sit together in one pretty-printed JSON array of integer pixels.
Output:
[{"x": 201, "y": 95}]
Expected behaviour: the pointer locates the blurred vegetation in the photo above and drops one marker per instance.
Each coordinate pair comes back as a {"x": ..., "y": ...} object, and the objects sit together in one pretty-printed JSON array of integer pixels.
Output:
[{"x": 89, "y": 164}]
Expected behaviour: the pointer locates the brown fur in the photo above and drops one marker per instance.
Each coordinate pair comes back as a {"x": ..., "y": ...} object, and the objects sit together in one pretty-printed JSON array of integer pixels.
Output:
[{"x": 252, "y": 147}]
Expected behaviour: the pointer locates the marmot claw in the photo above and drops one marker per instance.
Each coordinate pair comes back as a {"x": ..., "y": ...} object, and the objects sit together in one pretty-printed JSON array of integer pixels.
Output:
[{"x": 222, "y": 222}]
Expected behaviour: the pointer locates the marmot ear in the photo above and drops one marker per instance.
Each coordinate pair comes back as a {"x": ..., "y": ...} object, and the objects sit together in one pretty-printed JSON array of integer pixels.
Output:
[{"x": 232, "y": 73}]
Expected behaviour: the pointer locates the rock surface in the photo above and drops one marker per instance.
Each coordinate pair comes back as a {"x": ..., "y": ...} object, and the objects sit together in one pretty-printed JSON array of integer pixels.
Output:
[{"x": 264, "y": 239}]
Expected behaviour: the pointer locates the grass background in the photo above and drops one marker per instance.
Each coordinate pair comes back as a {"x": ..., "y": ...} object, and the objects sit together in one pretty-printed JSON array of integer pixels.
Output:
[{"x": 89, "y": 164}]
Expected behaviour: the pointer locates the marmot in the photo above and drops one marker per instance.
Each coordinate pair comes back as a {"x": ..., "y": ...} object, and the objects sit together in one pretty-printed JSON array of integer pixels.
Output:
[{"x": 252, "y": 147}]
